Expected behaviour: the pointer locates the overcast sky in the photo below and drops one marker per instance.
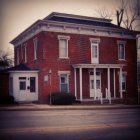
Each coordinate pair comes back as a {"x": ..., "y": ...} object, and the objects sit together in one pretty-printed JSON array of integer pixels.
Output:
[{"x": 17, "y": 15}]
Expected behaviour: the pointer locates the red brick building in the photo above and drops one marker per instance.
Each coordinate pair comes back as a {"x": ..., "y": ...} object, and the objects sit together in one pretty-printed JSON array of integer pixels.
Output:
[{"x": 71, "y": 52}]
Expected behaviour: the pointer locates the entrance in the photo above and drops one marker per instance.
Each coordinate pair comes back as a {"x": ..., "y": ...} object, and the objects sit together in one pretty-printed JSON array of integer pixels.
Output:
[{"x": 98, "y": 85}]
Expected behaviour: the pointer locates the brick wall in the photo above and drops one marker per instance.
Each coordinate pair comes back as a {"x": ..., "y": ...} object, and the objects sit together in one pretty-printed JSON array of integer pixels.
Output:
[{"x": 79, "y": 52}]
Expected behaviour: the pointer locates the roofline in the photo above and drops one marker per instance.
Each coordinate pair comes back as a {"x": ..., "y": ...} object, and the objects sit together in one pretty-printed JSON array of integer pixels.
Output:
[
  {"x": 26, "y": 71},
  {"x": 77, "y": 17},
  {"x": 34, "y": 24}
]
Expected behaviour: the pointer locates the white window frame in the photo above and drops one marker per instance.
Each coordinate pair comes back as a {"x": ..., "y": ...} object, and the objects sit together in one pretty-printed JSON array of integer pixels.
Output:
[
  {"x": 60, "y": 73},
  {"x": 35, "y": 48},
  {"x": 62, "y": 37},
  {"x": 121, "y": 43},
  {"x": 95, "y": 43},
  {"x": 17, "y": 53},
  {"x": 25, "y": 52},
  {"x": 21, "y": 51}
]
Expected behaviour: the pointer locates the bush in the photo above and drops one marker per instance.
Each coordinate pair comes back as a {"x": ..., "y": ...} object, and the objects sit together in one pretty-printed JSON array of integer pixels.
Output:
[
  {"x": 7, "y": 99},
  {"x": 59, "y": 98}
]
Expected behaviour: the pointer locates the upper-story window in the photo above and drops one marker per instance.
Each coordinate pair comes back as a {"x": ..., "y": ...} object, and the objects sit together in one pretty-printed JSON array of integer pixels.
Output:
[
  {"x": 94, "y": 50},
  {"x": 21, "y": 53},
  {"x": 35, "y": 48},
  {"x": 17, "y": 54},
  {"x": 63, "y": 46},
  {"x": 121, "y": 50},
  {"x": 25, "y": 52}
]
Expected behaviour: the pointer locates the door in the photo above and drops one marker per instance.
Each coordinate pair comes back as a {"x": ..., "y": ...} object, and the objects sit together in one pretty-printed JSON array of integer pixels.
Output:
[{"x": 98, "y": 86}]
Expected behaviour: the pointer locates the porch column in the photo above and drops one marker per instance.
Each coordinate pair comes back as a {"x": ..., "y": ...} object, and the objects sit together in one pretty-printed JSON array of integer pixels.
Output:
[
  {"x": 81, "y": 94},
  {"x": 94, "y": 83},
  {"x": 121, "y": 83},
  {"x": 108, "y": 81},
  {"x": 75, "y": 82},
  {"x": 114, "y": 84}
]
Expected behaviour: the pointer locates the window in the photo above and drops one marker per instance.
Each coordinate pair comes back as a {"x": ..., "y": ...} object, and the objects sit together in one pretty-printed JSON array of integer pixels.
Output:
[
  {"x": 64, "y": 80},
  {"x": 17, "y": 54},
  {"x": 25, "y": 52},
  {"x": 95, "y": 50},
  {"x": 63, "y": 46},
  {"x": 22, "y": 85},
  {"x": 64, "y": 83},
  {"x": 124, "y": 81},
  {"x": 35, "y": 48},
  {"x": 121, "y": 50},
  {"x": 32, "y": 84},
  {"x": 21, "y": 53}
]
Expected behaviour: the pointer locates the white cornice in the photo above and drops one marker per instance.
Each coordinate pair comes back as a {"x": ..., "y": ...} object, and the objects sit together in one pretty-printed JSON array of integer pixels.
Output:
[{"x": 51, "y": 26}]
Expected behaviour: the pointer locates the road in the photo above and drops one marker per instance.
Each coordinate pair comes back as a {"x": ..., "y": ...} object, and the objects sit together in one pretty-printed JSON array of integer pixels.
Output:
[{"x": 111, "y": 124}]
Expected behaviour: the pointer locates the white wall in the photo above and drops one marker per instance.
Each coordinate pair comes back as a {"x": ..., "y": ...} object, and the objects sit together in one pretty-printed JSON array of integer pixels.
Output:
[{"x": 24, "y": 95}]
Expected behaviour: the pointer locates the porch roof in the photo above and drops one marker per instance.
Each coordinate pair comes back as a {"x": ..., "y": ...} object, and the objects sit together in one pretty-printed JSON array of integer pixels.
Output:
[{"x": 115, "y": 66}]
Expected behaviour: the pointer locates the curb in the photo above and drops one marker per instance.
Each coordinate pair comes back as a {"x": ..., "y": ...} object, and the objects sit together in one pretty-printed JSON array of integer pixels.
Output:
[{"x": 47, "y": 108}]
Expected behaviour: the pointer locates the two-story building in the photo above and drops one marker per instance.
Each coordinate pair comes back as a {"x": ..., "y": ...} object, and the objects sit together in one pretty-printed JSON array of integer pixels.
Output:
[{"x": 84, "y": 56}]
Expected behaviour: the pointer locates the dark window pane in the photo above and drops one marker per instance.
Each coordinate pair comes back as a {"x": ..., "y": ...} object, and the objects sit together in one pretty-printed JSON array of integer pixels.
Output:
[
  {"x": 22, "y": 85},
  {"x": 22, "y": 78},
  {"x": 32, "y": 84},
  {"x": 64, "y": 87}
]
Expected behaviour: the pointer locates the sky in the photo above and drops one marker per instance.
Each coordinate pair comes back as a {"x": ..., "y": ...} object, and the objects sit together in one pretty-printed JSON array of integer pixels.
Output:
[{"x": 17, "y": 15}]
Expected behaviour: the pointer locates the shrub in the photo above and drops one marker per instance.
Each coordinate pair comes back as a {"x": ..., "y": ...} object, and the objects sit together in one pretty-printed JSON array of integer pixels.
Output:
[
  {"x": 7, "y": 99},
  {"x": 59, "y": 98}
]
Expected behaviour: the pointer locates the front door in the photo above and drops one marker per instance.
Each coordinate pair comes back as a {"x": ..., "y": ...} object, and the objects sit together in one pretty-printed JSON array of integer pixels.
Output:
[{"x": 98, "y": 85}]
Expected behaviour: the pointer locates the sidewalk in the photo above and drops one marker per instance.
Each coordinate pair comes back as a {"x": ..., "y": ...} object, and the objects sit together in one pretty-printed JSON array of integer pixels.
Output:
[{"x": 43, "y": 107}]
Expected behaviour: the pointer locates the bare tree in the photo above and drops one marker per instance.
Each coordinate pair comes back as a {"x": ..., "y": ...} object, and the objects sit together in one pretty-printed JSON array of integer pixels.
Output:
[
  {"x": 131, "y": 15},
  {"x": 127, "y": 14},
  {"x": 102, "y": 12},
  {"x": 120, "y": 12},
  {"x": 6, "y": 59}
]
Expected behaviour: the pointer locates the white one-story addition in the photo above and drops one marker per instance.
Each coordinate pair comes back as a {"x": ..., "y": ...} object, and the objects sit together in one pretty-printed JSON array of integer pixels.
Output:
[{"x": 23, "y": 83}]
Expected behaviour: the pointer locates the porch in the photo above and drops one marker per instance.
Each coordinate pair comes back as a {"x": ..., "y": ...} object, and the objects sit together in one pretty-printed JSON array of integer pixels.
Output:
[{"x": 97, "y": 91}]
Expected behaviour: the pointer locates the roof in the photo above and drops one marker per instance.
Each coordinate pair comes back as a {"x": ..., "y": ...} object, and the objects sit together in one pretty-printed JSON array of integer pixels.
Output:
[
  {"x": 20, "y": 67},
  {"x": 69, "y": 20},
  {"x": 77, "y": 19}
]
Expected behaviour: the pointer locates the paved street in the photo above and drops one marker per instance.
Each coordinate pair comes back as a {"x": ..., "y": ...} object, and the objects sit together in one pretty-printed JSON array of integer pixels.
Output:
[{"x": 70, "y": 124}]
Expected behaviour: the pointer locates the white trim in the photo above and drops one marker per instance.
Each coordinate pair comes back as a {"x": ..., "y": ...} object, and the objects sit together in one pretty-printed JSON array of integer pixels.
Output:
[
  {"x": 81, "y": 90},
  {"x": 67, "y": 73},
  {"x": 114, "y": 77},
  {"x": 95, "y": 84},
  {"x": 25, "y": 52},
  {"x": 35, "y": 44},
  {"x": 33, "y": 71},
  {"x": 63, "y": 72},
  {"x": 66, "y": 38},
  {"x": 93, "y": 50},
  {"x": 63, "y": 37},
  {"x": 69, "y": 28},
  {"x": 120, "y": 77},
  {"x": 117, "y": 66},
  {"x": 21, "y": 51},
  {"x": 75, "y": 83},
  {"x": 92, "y": 40},
  {"x": 17, "y": 55},
  {"x": 120, "y": 42}
]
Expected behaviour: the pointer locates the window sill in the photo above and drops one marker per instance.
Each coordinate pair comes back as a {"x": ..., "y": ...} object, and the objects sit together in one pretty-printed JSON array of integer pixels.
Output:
[
  {"x": 122, "y": 60},
  {"x": 63, "y": 57}
]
